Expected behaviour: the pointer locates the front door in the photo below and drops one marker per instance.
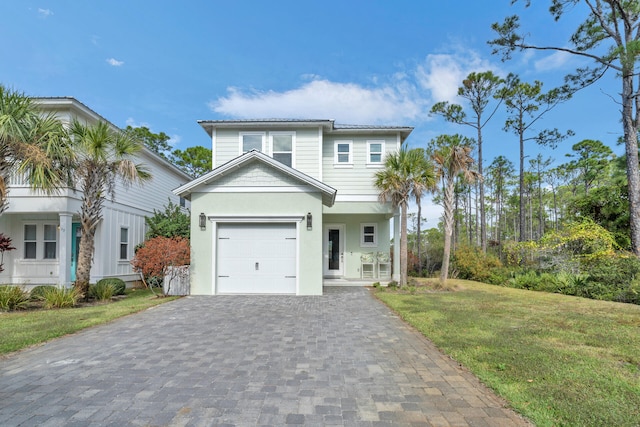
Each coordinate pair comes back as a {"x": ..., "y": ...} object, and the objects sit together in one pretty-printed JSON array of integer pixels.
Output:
[
  {"x": 75, "y": 248},
  {"x": 334, "y": 250}
]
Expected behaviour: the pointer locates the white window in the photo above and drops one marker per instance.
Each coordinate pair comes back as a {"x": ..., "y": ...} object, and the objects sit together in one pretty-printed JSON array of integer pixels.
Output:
[
  {"x": 251, "y": 141},
  {"x": 369, "y": 235},
  {"x": 50, "y": 241},
  {"x": 375, "y": 152},
  {"x": 282, "y": 146},
  {"x": 30, "y": 241},
  {"x": 124, "y": 243},
  {"x": 343, "y": 153}
]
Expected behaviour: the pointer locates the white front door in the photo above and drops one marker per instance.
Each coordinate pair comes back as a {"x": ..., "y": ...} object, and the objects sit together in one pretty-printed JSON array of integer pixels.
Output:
[
  {"x": 256, "y": 258},
  {"x": 333, "y": 250}
]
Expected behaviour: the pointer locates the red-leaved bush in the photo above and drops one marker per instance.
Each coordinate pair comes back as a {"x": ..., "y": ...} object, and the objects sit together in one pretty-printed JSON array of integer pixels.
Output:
[
  {"x": 5, "y": 246},
  {"x": 159, "y": 253}
]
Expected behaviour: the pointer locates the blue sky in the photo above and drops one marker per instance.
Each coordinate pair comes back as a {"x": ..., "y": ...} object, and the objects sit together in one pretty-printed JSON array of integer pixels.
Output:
[{"x": 166, "y": 64}]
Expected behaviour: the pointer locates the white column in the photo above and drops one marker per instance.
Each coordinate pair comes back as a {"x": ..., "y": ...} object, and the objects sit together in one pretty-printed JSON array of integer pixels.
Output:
[
  {"x": 64, "y": 250},
  {"x": 396, "y": 246}
]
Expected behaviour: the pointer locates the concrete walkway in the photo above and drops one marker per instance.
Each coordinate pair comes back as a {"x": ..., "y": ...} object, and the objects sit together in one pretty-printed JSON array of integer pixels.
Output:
[{"x": 338, "y": 359}]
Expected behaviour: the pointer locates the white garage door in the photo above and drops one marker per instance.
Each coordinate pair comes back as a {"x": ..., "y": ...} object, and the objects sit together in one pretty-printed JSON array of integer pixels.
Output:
[{"x": 256, "y": 258}]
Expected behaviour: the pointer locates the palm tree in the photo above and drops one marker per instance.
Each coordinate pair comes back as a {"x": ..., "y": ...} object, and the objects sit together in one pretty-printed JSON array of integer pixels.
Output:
[
  {"x": 32, "y": 144},
  {"x": 452, "y": 157},
  {"x": 104, "y": 156},
  {"x": 424, "y": 180},
  {"x": 406, "y": 173}
]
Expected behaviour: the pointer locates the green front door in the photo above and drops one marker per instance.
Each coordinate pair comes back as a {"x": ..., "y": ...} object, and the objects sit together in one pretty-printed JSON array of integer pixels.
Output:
[{"x": 76, "y": 232}]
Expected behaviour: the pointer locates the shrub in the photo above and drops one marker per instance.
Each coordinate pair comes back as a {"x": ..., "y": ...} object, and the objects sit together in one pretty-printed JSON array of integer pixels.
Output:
[
  {"x": 473, "y": 264},
  {"x": 102, "y": 291},
  {"x": 119, "y": 287},
  {"x": 37, "y": 293},
  {"x": 55, "y": 297},
  {"x": 13, "y": 298},
  {"x": 173, "y": 222},
  {"x": 159, "y": 253},
  {"x": 501, "y": 275},
  {"x": 526, "y": 280}
]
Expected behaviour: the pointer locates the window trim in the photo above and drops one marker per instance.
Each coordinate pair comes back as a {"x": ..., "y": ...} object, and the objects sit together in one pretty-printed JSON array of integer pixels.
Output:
[
  {"x": 241, "y": 142},
  {"x": 337, "y": 163},
  {"x": 365, "y": 244},
  {"x": 369, "y": 152},
  {"x": 125, "y": 244},
  {"x": 293, "y": 145}
]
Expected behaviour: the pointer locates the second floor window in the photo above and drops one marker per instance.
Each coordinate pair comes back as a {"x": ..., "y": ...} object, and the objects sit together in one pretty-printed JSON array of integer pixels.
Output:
[
  {"x": 251, "y": 141},
  {"x": 282, "y": 148},
  {"x": 343, "y": 153},
  {"x": 375, "y": 150}
]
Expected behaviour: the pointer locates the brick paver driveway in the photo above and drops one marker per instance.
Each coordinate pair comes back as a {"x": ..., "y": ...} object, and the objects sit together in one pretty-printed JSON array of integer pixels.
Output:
[{"x": 338, "y": 359}]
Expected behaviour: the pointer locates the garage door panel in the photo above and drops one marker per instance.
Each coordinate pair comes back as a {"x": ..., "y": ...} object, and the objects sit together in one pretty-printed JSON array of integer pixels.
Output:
[{"x": 256, "y": 258}]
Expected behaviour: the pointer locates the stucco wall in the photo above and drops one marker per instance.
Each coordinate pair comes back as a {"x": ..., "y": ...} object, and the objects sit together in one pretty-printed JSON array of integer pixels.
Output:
[{"x": 257, "y": 205}]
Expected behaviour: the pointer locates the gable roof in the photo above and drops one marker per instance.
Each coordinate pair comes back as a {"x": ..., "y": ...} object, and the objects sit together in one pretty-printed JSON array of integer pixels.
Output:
[
  {"x": 328, "y": 192},
  {"x": 329, "y": 126}
]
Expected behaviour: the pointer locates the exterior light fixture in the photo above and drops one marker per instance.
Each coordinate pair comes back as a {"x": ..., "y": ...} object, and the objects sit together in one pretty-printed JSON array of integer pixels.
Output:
[
  {"x": 203, "y": 221},
  {"x": 309, "y": 221}
]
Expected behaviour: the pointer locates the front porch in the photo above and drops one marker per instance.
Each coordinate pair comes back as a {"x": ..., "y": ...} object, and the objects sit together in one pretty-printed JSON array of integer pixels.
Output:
[{"x": 353, "y": 282}]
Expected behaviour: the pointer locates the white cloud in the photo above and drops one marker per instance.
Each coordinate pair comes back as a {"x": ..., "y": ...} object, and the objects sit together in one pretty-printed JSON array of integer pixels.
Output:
[
  {"x": 403, "y": 97},
  {"x": 131, "y": 122},
  {"x": 442, "y": 74},
  {"x": 552, "y": 62},
  {"x": 114, "y": 62},
  {"x": 174, "y": 140},
  {"x": 322, "y": 99},
  {"x": 45, "y": 12}
]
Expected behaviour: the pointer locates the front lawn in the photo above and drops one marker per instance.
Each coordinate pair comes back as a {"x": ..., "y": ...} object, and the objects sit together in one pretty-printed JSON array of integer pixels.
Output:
[
  {"x": 559, "y": 360},
  {"x": 20, "y": 329}
]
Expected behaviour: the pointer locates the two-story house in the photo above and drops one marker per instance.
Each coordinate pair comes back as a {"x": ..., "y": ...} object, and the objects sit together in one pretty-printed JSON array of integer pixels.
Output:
[
  {"x": 45, "y": 229},
  {"x": 289, "y": 204}
]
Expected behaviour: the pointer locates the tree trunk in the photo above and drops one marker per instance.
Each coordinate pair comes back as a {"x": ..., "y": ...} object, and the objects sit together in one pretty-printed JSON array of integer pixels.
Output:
[
  {"x": 483, "y": 226},
  {"x": 90, "y": 215},
  {"x": 85, "y": 257},
  {"x": 419, "y": 238},
  {"x": 522, "y": 226},
  {"x": 631, "y": 151},
  {"x": 448, "y": 228},
  {"x": 403, "y": 244}
]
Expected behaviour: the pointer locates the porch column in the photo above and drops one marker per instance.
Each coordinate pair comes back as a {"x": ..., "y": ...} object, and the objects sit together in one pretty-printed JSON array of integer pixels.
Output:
[
  {"x": 396, "y": 247},
  {"x": 64, "y": 250}
]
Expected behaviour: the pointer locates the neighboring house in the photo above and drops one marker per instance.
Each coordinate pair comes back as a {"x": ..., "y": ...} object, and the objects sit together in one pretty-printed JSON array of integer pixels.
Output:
[
  {"x": 290, "y": 204},
  {"x": 45, "y": 229}
]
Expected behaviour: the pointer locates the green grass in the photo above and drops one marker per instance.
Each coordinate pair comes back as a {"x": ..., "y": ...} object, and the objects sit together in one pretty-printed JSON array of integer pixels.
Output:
[
  {"x": 20, "y": 329},
  {"x": 558, "y": 360}
]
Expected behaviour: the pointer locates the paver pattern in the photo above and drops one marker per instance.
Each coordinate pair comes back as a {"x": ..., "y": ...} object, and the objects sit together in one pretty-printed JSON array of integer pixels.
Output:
[{"x": 338, "y": 359}]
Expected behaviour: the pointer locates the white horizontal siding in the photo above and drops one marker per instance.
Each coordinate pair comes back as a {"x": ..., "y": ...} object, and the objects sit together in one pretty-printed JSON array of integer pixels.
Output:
[
  {"x": 154, "y": 193},
  {"x": 307, "y": 152},
  {"x": 226, "y": 146},
  {"x": 357, "y": 179}
]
